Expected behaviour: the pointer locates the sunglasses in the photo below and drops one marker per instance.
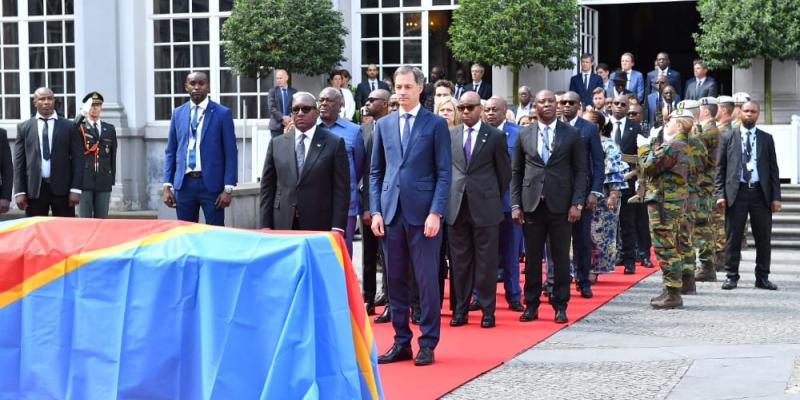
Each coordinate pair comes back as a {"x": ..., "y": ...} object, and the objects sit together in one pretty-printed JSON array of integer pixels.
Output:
[
  {"x": 568, "y": 102},
  {"x": 468, "y": 107},
  {"x": 304, "y": 109}
]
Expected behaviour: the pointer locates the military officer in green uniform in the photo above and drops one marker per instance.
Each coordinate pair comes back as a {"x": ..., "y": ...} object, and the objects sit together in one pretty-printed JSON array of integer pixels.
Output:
[
  {"x": 666, "y": 165},
  {"x": 705, "y": 232},
  {"x": 99, "y": 158},
  {"x": 724, "y": 117}
]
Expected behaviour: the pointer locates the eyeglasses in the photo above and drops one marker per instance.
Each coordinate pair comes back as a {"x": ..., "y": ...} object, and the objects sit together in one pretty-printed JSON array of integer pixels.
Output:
[
  {"x": 374, "y": 99},
  {"x": 468, "y": 107},
  {"x": 568, "y": 102},
  {"x": 304, "y": 109}
]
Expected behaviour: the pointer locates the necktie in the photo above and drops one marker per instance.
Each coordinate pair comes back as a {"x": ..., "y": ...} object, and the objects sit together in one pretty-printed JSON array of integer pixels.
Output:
[
  {"x": 300, "y": 153},
  {"x": 468, "y": 145},
  {"x": 373, "y": 85},
  {"x": 406, "y": 132},
  {"x": 95, "y": 131},
  {"x": 748, "y": 149},
  {"x": 586, "y": 81},
  {"x": 628, "y": 84},
  {"x": 618, "y": 133},
  {"x": 45, "y": 141},
  {"x": 285, "y": 101},
  {"x": 477, "y": 88},
  {"x": 697, "y": 89},
  {"x": 193, "y": 148},
  {"x": 546, "y": 143},
  {"x": 458, "y": 92}
]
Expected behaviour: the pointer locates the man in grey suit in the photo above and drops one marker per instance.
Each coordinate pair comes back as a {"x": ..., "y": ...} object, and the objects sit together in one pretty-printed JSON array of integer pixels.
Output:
[
  {"x": 748, "y": 183},
  {"x": 548, "y": 190},
  {"x": 701, "y": 85},
  {"x": 481, "y": 172},
  {"x": 48, "y": 155},
  {"x": 279, "y": 103}
]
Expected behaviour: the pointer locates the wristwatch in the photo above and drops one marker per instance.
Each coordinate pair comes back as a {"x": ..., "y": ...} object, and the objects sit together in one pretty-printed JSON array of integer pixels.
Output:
[{"x": 228, "y": 190}]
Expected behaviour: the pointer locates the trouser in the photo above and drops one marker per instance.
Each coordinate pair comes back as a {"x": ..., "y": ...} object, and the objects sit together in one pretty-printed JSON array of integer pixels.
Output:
[
  {"x": 643, "y": 240},
  {"x": 582, "y": 247},
  {"x": 686, "y": 238},
  {"x": 349, "y": 233},
  {"x": 541, "y": 225},
  {"x": 748, "y": 201},
  {"x": 192, "y": 196},
  {"x": 510, "y": 238},
  {"x": 627, "y": 227},
  {"x": 704, "y": 234},
  {"x": 665, "y": 224},
  {"x": 370, "y": 248},
  {"x": 94, "y": 204},
  {"x": 41, "y": 206}
]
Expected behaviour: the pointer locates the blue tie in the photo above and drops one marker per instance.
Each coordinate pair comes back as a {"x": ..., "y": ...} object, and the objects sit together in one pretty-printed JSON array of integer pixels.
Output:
[
  {"x": 546, "y": 143},
  {"x": 285, "y": 101},
  {"x": 406, "y": 132},
  {"x": 193, "y": 149}
]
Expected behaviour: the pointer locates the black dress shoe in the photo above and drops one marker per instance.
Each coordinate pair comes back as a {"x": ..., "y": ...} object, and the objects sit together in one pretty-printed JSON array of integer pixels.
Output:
[
  {"x": 381, "y": 301},
  {"x": 458, "y": 320},
  {"x": 474, "y": 306},
  {"x": 416, "y": 314},
  {"x": 530, "y": 314},
  {"x": 487, "y": 321},
  {"x": 647, "y": 263},
  {"x": 729, "y": 284},
  {"x": 766, "y": 284},
  {"x": 386, "y": 316},
  {"x": 630, "y": 268},
  {"x": 370, "y": 308},
  {"x": 499, "y": 276},
  {"x": 396, "y": 353},
  {"x": 561, "y": 316},
  {"x": 424, "y": 356},
  {"x": 516, "y": 306},
  {"x": 586, "y": 291}
]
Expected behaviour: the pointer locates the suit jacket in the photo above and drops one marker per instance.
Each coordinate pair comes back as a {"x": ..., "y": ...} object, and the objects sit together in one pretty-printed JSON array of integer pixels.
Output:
[
  {"x": 652, "y": 107},
  {"x": 729, "y": 167},
  {"x": 483, "y": 180},
  {"x": 319, "y": 194},
  {"x": 673, "y": 78},
  {"x": 6, "y": 167},
  {"x": 366, "y": 134},
  {"x": 363, "y": 90},
  {"x": 636, "y": 83},
  {"x": 628, "y": 145},
  {"x": 102, "y": 177},
  {"x": 595, "y": 156},
  {"x": 511, "y": 131},
  {"x": 66, "y": 154},
  {"x": 484, "y": 90},
  {"x": 576, "y": 85},
  {"x": 218, "y": 152},
  {"x": 707, "y": 89},
  {"x": 562, "y": 180},
  {"x": 420, "y": 175},
  {"x": 275, "y": 106}
]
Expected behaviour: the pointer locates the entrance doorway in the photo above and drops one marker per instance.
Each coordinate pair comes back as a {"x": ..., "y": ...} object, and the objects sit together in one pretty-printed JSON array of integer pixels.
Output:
[{"x": 439, "y": 54}]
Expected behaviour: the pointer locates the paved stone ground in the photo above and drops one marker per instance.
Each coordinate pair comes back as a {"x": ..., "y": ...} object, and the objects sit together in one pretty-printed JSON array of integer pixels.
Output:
[{"x": 740, "y": 344}]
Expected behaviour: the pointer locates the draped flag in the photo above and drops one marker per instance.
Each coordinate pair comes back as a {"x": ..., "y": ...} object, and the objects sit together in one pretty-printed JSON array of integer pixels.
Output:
[{"x": 116, "y": 309}]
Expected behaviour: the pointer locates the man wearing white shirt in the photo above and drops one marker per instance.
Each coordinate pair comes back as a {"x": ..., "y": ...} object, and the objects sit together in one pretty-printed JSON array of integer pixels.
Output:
[
  {"x": 484, "y": 89},
  {"x": 662, "y": 68},
  {"x": 525, "y": 105},
  {"x": 367, "y": 86},
  {"x": 701, "y": 85}
]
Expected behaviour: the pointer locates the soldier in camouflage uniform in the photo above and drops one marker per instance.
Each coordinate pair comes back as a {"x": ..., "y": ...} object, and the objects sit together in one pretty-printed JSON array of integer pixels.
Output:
[
  {"x": 666, "y": 166},
  {"x": 704, "y": 232},
  {"x": 724, "y": 117}
]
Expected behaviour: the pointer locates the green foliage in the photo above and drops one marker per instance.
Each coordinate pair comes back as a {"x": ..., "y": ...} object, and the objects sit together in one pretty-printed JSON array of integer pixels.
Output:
[
  {"x": 515, "y": 33},
  {"x": 732, "y": 33},
  {"x": 301, "y": 36}
]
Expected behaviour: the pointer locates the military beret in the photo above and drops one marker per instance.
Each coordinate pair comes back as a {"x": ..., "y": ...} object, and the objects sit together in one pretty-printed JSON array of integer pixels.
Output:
[
  {"x": 96, "y": 97},
  {"x": 681, "y": 113},
  {"x": 689, "y": 104},
  {"x": 741, "y": 98},
  {"x": 724, "y": 99},
  {"x": 708, "y": 101}
]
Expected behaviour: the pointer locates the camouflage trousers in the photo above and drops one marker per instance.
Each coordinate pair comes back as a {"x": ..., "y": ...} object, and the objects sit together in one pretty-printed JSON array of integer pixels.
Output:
[
  {"x": 686, "y": 237},
  {"x": 704, "y": 234},
  {"x": 665, "y": 226},
  {"x": 718, "y": 225}
]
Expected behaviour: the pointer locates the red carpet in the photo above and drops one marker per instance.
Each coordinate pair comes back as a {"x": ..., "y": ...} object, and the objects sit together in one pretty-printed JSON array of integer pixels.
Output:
[{"x": 465, "y": 352}]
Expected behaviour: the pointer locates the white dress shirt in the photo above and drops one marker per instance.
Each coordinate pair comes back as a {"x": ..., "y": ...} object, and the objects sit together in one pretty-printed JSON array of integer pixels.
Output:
[
  {"x": 475, "y": 129},
  {"x": 523, "y": 111},
  {"x": 306, "y": 140},
  {"x": 551, "y": 136},
  {"x": 614, "y": 127},
  {"x": 414, "y": 111},
  {"x": 51, "y": 124},
  {"x": 753, "y": 154},
  {"x": 192, "y": 141}
]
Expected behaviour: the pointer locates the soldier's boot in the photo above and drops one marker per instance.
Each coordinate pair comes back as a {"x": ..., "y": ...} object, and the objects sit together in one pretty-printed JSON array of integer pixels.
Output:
[
  {"x": 660, "y": 297},
  {"x": 720, "y": 261},
  {"x": 689, "y": 287},
  {"x": 672, "y": 299},
  {"x": 705, "y": 273}
]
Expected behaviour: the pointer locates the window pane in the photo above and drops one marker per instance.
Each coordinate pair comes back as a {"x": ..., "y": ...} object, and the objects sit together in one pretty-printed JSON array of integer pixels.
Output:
[
  {"x": 200, "y": 30},
  {"x": 70, "y": 82},
  {"x": 388, "y": 73},
  {"x": 161, "y": 31},
  {"x": 160, "y": 6},
  {"x": 369, "y": 25},
  {"x": 162, "y": 56},
  {"x": 391, "y": 52},
  {"x": 69, "y": 27},
  {"x": 391, "y": 25},
  {"x": 178, "y": 79},
  {"x": 10, "y": 33},
  {"x": 370, "y": 52},
  {"x": 54, "y": 7},
  {"x": 180, "y": 6},
  {"x": 10, "y": 58},
  {"x": 247, "y": 85},
  {"x": 10, "y": 8},
  {"x": 262, "y": 107},
  {"x": 36, "y": 32},
  {"x": 68, "y": 7},
  {"x": 55, "y": 57},
  {"x": 37, "y": 80},
  {"x": 369, "y": 3},
  {"x": 11, "y": 82},
  {"x": 70, "y": 56},
  {"x": 163, "y": 81},
  {"x": 391, "y": 3},
  {"x": 227, "y": 82},
  {"x": 266, "y": 82},
  {"x": 177, "y": 101},
  {"x": 252, "y": 107},
  {"x": 12, "y": 108},
  {"x": 181, "y": 30},
  {"x": 225, "y": 5},
  {"x": 441, "y": 2},
  {"x": 71, "y": 107},
  {"x": 411, "y": 24},
  {"x": 199, "y": 6},
  {"x": 35, "y": 7},
  {"x": 200, "y": 56},
  {"x": 410, "y": 3},
  {"x": 412, "y": 52},
  {"x": 181, "y": 54},
  {"x": 55, "y": 81},
  {"x": 230, "y": 102},
  {"x": 54, "y": 32},
  {"x": 36, "y": 57},
  {"x": 163, "y": 107}
]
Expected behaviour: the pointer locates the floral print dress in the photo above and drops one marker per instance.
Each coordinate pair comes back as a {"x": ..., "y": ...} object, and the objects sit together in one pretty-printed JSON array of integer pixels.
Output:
[{"x": 605, "y": 221}]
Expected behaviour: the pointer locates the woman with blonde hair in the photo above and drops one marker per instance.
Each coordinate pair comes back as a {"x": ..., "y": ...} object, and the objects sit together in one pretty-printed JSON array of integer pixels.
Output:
[{"x": 447, "y": 107}]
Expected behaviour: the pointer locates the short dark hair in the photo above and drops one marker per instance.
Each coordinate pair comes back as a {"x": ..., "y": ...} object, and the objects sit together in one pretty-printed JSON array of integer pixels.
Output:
[
  {"x": 629, "y": 54},
  {"x": 700, "y": 62},
  {"x": 345, "y": 74},
  {"x": 444, "y": 83},
  {"x": 712, "y": 108},
  {"x": 419, "y": 77},
  {"x": 602, "y": 66},
  {"x": 598, "y": 90},
  {"x": 587, "y": 55}
]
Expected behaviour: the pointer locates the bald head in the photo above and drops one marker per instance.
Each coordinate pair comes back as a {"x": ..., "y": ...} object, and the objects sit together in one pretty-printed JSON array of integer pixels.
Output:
[
  {"x": 471, "y": 97},
  {"x": 44, "y": 101},
  {"x": 330, "y": 103}
]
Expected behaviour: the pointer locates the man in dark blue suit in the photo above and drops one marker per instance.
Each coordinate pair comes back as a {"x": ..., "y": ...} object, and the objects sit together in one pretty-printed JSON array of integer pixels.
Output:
[
  {"x": 409, "y": 187},
  {"x": 663, "y": 94},
  {"x": 201, "y": 156},
  {"x": 595, "y": 163},
  {"x": 484, "y": 89},
  {"x": 701, "y": 85},
  {"x": 584, "y": 82},
  {"x": 366, "y": 87},
  {"x": 662, "y": 69}
]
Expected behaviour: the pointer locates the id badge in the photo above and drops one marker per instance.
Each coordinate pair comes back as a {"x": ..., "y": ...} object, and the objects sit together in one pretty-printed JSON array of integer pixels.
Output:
[{"x": 751, "y": 166}]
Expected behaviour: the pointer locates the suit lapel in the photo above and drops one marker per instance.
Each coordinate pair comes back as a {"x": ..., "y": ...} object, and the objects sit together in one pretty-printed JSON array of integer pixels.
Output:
[
  {"x": 457, "y": 139},
  {"x": 208, "y": 118},
  {"x": 759, "y": 149},
  {"x": 535, "y": 142},
  {"x": 480, "y": 140},
  {"x": 735, "y": 151},
  {"x": 290, "y": 143},
  {"x": 420, "y": 121},
  {"x": 317, "y": 146}
]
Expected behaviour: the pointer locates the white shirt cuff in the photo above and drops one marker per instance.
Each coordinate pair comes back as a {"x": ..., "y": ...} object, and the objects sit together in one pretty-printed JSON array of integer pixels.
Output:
[{"x": 76, "y": 191}]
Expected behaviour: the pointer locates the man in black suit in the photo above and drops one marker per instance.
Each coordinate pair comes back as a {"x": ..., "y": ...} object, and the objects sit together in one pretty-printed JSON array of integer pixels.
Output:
[
  {"x": 427, "y": 97},
  {"x": 484, "y": 89},
  {"x": 585, "y": 81},
  {"x": 673, "y": 77},
  {"x": 6, "y": 172},
  {"x": 748, "y": 183},
  {"x": 624, "y": 131},
  {"x": 548, "y": 189},
  {"x": 47, "y": 155},
  {"x": 481, "y": 172},
  {"x": 306, "y": 180},
  {"x": 701, "y": 85},
  {"x": 279, "y": 103},
  {"x": 368, "y": 86},
  {"x": 460, "y": 84}
]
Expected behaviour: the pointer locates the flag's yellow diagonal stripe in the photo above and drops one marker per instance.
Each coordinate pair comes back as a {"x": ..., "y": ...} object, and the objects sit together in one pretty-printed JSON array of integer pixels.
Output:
[{"x": 24, "y": 223}]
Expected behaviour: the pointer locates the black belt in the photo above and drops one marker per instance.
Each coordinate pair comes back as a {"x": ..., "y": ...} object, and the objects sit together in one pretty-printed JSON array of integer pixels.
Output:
[
  {"x": 195, "y": 174},
  {"x": 749, "y": 185}
]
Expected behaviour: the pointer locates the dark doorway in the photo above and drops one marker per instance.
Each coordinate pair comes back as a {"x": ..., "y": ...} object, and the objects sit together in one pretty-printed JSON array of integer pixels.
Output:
[
  {"x": 439, "y": 55},
  {"x": 647, "y": 29}
]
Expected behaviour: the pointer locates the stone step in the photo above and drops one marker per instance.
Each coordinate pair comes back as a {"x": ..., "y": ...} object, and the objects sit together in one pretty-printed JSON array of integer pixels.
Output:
[
  {"x": 144, "y": 215},
  {"x": 779, "y": 243}
]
